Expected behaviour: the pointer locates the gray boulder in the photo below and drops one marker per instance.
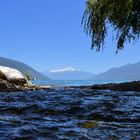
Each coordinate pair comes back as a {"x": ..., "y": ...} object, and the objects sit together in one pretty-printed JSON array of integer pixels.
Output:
[{"x": 12, "y": 75}]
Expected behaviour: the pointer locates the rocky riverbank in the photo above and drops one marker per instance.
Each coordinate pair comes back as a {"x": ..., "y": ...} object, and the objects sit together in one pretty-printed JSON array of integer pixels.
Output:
[
  {"x": 126, "y": 86},
  {"x": 12, "y": 80},
  {"x": 6, "y": 86}
]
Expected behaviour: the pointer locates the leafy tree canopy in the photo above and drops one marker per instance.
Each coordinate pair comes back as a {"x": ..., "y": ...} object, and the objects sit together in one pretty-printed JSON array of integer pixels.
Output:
[{"x": 123, "y": 15}]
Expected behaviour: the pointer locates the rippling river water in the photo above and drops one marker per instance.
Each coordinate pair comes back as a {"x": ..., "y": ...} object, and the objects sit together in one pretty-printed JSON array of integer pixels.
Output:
[{"x": 70, "y": 114}]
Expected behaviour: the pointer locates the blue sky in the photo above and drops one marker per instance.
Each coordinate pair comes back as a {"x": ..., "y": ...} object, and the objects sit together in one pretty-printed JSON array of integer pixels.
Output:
[{"x": 47, "y": 34}]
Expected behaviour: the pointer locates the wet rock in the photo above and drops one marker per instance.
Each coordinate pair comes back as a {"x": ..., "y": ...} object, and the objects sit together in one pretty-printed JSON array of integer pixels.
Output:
[
  {"x": 91, "y": 124},
  {"x": 126, "y": 86},
  {"x": 6, "y": 86}
]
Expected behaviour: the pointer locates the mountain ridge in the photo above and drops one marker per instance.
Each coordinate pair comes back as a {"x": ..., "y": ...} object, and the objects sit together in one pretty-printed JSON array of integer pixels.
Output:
[
  {"x": 126, "y": 72},
  {"x": 22, "y": 67},
  {"x": 68, "y": 73}
]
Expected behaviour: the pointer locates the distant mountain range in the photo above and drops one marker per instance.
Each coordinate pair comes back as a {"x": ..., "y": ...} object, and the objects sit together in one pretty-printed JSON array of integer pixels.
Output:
[
  {"x": 127, "y": 72},
  {"x": 25, "y": 69},
  {"x": 68, "y": 73}
]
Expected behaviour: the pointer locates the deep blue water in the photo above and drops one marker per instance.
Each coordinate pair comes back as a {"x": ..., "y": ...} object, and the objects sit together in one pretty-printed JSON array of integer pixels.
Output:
[{"x": 70, "y": 114}]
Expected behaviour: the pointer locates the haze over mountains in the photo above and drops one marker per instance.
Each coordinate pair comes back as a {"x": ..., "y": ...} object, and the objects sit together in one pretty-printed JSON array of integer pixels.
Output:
[
  {"x": 127, "y": 72},
  {"x": 68, "y": 73},
  {"x": 25, "y": 69}
]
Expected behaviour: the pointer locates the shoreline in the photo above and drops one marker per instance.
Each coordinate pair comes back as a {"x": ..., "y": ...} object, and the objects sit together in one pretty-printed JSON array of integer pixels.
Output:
[
  {"x": 6, "y": 86},
  {"x": 125, "y": 86}
]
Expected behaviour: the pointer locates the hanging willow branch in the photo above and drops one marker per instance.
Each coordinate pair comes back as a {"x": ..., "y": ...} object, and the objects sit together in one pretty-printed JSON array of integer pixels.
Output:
[{"x": 124, "y": 16}]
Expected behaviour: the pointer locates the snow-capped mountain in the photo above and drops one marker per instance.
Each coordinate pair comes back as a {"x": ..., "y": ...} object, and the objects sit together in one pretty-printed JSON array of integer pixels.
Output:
[
  {"x": 68, "y": 73},
  {"x": 67, "y": 69}
]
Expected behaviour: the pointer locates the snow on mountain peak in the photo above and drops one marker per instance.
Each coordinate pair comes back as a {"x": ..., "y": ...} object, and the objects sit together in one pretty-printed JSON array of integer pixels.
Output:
[{"x": 67, "y": 69}]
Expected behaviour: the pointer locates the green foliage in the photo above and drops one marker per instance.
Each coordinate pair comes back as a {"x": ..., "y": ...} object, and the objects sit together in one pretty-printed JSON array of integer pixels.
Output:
[
  {"x": 123, "y": 15},
  {"x": 28, "y": 76}
]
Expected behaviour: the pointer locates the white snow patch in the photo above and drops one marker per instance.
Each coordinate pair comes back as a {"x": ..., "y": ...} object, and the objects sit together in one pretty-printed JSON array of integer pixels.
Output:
[{"x": 67, "y": 69}]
